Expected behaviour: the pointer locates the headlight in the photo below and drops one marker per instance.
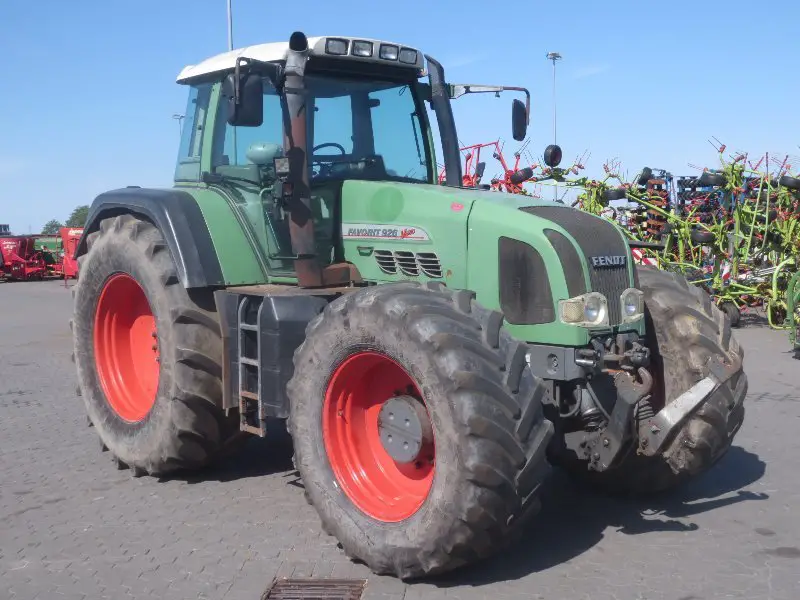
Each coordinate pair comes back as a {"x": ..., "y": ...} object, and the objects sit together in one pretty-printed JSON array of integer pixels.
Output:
[
  {"x": 632, "y": 301},
  {"x": 588, "y": 310}
]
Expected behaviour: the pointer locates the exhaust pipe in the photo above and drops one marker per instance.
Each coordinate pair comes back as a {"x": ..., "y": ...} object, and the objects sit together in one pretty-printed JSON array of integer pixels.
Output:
[{"x": 301, "y": 220}]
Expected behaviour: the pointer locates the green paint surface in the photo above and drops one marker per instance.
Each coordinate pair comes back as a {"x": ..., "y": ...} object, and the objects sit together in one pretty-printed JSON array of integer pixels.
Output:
[
  {"x": 434, "y": 212},
  {"x": 236, "y": 256}
]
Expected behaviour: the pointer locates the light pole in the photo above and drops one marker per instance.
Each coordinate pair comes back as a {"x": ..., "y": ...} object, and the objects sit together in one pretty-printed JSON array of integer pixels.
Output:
[
  {"x": 230, "y": 48},
  {"x": 230, "y": 27},
  {"x": 554, "y": 56}
]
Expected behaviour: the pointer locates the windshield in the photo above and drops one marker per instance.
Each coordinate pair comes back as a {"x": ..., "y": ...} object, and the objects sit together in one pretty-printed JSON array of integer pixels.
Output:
[
  {"x": 358, "y": 129},
  {"x": 366, "y": 130}
]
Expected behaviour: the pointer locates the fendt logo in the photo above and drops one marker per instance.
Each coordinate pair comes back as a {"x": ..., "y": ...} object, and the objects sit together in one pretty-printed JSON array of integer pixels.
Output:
[{"x": 608, "y": 261}]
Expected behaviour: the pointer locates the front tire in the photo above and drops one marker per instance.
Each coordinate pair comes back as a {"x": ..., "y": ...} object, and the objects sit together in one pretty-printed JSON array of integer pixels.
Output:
[
  {"x": 476, "y": 478},
  {"x": 147, "y": 353},
  {"x": 733, "y": 313},
  {"x": 688, "y": 331}
]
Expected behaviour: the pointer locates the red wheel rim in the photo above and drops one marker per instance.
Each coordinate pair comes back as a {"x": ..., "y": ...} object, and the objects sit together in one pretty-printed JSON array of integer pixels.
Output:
[
  {"x": 380, "y": 487},
  {"x": 126, "y": 348}
]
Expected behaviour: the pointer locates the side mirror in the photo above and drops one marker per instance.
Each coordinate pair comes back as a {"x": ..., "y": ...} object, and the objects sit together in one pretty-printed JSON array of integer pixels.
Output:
[
  {"x": 479, "y": 170},
  {"x": 552, "y": 155},
  {"x": 519, "y": 120},
  {"x": 245, "y": 109}
]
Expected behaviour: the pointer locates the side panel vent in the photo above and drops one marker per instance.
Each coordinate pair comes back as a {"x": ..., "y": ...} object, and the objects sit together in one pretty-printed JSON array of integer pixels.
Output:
[
  {"x": 386, "y": 262},
  {"x": 409, "y": 263},
  {"x": 429, "y": 264}
]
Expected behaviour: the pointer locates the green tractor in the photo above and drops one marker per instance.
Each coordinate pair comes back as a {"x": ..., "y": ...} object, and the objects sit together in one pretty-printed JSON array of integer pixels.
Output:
[{"x": 432, "y": 348}]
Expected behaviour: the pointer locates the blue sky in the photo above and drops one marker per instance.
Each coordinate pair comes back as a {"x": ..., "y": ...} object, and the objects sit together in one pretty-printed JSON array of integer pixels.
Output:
[{"x": 89, "y": 88}]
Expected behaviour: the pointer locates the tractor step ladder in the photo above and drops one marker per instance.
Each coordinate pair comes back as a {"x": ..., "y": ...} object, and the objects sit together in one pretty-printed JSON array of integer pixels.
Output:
[{"x": 251, "y": 412}]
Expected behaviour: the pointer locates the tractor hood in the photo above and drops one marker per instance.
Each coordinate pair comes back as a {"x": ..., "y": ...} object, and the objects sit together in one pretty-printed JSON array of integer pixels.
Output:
[{"x": 520, "y": 255}]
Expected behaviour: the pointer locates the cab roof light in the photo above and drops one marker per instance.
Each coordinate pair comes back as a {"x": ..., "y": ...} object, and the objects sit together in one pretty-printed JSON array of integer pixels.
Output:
[
  {"x": 389, "y": 52},
  {"x": 362, "y": 48},
  {"x": 408, "y": 56},
  {"x": 336, "y": 46}
]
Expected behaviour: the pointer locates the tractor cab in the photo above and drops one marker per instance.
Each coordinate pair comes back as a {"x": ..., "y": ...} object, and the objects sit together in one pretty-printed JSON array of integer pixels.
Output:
[{"x": 277, "y": 129}]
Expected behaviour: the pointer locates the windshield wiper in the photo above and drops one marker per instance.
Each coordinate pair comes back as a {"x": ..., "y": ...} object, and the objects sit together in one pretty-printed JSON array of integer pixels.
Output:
[{"x": 416, "y": 139}]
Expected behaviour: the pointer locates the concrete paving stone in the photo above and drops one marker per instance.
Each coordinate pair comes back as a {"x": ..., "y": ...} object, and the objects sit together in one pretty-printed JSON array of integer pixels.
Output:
[
  {"x": 254, "y": 583},
  {"x": 67, "y": 595},
  {"x": 323, "y": 569},
  {"x": 74, "y": 526}
]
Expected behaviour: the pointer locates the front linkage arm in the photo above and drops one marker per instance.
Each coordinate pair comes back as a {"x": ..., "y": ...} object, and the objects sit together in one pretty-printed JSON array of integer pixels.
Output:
[{"x": 602, "y": 447}]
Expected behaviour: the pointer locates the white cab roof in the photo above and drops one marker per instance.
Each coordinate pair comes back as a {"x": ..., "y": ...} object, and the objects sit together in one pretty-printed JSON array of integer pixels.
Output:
[{"x": 276, "y": 51}]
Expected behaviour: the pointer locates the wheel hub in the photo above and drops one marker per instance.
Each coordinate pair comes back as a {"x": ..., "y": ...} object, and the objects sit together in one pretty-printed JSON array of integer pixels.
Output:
[
  {"x": 364, "y": 405},
  {"x": 404, "y": 428},
  {"x": 126, "y": 348}
]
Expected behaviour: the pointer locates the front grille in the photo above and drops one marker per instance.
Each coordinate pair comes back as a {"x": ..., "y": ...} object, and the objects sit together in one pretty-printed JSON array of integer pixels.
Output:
[{"x": 596, "y": 237}]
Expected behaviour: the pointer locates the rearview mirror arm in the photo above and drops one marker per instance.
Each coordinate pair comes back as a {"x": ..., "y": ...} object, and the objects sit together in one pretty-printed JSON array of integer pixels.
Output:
[
  {"x": 273, "y": 71},
  {"x": 460, "y": 89}
]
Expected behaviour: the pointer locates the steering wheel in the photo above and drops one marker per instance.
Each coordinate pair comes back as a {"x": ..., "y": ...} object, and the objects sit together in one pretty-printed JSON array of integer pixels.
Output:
[
  {"x": 330, "y": 144},
  {"x": 324, "y": 169}
]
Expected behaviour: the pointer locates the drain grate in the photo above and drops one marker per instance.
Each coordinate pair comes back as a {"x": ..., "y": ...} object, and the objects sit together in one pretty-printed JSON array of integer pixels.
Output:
[{"x": 315, "y": 589}]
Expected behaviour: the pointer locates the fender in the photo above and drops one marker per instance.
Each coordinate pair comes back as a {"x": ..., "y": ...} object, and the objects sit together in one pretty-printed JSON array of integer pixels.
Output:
[{"x": 179, "y": 220}]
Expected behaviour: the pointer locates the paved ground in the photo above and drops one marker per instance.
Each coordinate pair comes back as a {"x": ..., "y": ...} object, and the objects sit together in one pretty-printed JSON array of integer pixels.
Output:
[{"x": 71, "y": 526}]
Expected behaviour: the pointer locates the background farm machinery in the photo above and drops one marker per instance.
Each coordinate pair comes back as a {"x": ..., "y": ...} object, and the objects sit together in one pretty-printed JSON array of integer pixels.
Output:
[
  {"x": 36, "y": 257},
  {"x": 735, "y": 231}
]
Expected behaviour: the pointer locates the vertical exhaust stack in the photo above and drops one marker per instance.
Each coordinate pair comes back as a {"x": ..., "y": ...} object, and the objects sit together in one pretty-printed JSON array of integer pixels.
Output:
[{"x": 301, "y": 223}]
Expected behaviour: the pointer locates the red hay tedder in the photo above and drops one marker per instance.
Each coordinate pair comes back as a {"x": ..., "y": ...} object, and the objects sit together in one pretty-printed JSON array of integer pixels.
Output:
[{"x": 511, "y": 179}]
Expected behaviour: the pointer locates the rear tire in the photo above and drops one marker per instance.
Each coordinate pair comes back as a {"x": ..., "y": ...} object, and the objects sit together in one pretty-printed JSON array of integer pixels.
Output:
[
  {"x": 484, "y": 406},
  {"x": 689, "y": 330},
  {"x": 154, "y": 394}
]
